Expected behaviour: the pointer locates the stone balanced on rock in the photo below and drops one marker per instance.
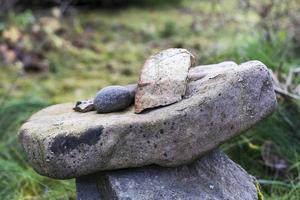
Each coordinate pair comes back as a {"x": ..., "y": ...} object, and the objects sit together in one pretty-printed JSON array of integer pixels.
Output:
[
  {"x": 220, "y": 101},
  {"x": 109, "y": 99},
  {"x": 163, "y": 79},
  {"x": 113, "y": 98}
]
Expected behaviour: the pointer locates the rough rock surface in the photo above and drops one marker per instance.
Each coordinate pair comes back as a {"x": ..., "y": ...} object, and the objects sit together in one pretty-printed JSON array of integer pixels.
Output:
[
  {"x": 61, "y": 143},
  {"x": 214, "y": 176},
  {"x": 209, "y": 71},
  {"x": 163, "y": 79},
  {"x": 113, "y": 98}
]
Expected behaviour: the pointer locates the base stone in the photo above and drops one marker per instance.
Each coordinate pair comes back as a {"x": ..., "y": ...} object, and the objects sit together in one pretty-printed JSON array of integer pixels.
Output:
[{"x": 213, "y": 177}]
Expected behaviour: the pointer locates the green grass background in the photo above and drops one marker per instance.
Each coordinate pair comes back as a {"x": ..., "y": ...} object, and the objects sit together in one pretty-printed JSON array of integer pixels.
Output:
[{"x": 113, "y": 47}]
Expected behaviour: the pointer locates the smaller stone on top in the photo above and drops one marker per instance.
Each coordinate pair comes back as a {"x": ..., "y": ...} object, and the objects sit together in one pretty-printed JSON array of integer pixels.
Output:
[
  {"x": 163, "y": 79},
  {"x": 113, "y": 98}
]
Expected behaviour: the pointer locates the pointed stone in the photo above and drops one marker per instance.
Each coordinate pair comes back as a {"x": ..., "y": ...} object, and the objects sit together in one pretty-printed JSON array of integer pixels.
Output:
[{"x": 163, "y": 79}]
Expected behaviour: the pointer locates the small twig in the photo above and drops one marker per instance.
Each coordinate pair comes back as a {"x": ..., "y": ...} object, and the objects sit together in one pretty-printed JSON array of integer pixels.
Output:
[
  {"x": 283, "y": 89},
  {"x": 297, "y": 71},
  {"x": 289, "y": 80},
  {"x": 275, "y": 79},
  {"x": 286, "y": 94}
]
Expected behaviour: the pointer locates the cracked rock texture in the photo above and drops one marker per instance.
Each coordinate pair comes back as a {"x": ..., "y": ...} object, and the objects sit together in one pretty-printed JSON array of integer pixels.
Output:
[
  {"x": 214, "y": 176},
  {"x": 61, "y": 143},
  {"x": 163, "y": 79}
]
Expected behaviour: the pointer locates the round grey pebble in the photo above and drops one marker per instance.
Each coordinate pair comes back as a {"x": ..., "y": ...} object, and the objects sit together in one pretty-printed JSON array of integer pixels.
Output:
[{"x": 112, "y": 99}]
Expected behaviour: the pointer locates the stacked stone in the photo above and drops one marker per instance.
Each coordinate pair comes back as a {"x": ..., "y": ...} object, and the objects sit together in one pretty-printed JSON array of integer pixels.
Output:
[{"x": 163, "y": 147}]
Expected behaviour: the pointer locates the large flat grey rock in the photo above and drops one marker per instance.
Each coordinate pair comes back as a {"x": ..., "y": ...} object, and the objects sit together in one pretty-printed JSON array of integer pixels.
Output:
[
  {"x": 163, "y": 79},
  {"x": 213, "y": 177},
  {"x": 61, "y": 143}
]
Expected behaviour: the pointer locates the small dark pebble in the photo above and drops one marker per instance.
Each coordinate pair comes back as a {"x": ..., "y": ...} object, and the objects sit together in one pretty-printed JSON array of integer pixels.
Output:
[
  {"x": 113, "y": 98},
  {"x": 84, "y": 106}
]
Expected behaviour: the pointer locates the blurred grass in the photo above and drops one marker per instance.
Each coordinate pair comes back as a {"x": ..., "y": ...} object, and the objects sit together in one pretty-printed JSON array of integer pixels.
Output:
[
  {"x": 17, "y": 179},
  {"x": 99, "y": 48}
]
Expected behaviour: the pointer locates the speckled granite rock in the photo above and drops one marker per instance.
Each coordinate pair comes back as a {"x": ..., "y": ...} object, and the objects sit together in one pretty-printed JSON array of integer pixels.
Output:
[
  {"x": 163, "y": 79},
  {"x": 214, "y": 176},
  {"x": 113, "y": 98},
  {"x": 61, "y": 143}
]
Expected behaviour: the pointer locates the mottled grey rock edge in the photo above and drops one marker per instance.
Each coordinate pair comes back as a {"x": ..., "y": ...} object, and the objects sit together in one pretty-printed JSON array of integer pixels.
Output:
[
  {"x": 61, "y": 143},
  {"x": 214, "y": 176},
  {"x": 87, "y": 188}
]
